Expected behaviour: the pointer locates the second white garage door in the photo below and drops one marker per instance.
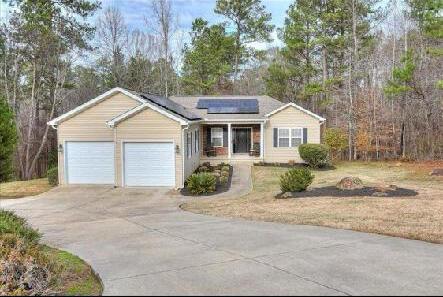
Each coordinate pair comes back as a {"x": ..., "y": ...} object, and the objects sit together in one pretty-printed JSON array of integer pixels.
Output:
[{"x": 149, "y": 164}]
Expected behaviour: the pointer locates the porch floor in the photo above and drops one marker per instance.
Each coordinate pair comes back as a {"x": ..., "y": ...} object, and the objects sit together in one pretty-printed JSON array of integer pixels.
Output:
[{"x": 238, "y": 157}]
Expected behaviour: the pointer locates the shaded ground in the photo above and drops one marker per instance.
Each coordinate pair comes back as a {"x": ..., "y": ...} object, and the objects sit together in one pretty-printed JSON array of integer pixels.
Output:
[
  {"x": 19, "y": 189},
  {"x": 416, "y": 214}
]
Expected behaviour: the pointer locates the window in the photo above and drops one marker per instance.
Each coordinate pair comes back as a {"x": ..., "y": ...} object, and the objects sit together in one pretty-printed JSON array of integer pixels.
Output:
[
  {"x": 196, "y": 140},
  {"x": 290, "y": 137},
  {"x": 217, "y": 137},
  {"x": 189, "y": 144},
  {"x": 296, "y": 137},
  {"x": 283, "y": 137}
]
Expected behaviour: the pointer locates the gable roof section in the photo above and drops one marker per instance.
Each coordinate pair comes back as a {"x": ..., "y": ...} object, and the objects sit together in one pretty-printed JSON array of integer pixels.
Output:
[
  {"x": 91, "y": 103},
  {"x": 291, "y": 104},
  {"x": 132, "y": 112},
  {"x": 159, "y": 104}
]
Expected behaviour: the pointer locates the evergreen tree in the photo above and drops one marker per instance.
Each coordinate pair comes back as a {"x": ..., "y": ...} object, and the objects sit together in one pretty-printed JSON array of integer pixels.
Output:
[
  {"x": 8, "y": 139},
  {"x": 208, "y": 59}
]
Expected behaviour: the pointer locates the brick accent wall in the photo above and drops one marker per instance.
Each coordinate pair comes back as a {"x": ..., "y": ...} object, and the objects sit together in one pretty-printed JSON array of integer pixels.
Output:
[{"x": 220, "y": 151}]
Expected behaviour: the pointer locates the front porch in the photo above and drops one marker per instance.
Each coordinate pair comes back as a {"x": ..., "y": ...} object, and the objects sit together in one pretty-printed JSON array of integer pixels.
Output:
[{"x": 232, "y": 142}]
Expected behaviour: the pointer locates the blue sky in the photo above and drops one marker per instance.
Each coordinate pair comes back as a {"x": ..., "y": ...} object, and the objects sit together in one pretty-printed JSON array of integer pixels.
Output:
[{"x": 187, "y": 10}]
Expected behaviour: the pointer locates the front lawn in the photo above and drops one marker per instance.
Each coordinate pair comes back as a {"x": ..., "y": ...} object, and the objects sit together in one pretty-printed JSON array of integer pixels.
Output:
[
  {"x": 19, "y": 189},
  {"x": 413, "y": 216},
  {"x": 30, "y": 268}
]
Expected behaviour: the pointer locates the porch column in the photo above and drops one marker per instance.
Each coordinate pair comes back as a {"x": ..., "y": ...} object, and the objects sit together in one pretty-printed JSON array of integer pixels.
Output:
[
  {"x": 229, "y": 140},
  {"x": 262, "y": 141}
]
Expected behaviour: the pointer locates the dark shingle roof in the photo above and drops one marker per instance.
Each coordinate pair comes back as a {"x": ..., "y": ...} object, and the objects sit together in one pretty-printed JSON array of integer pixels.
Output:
[{"x": 169, "y": 105}]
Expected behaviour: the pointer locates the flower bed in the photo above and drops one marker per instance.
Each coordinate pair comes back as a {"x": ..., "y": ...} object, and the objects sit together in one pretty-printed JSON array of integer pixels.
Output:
[{"x": 222, "y": 174}]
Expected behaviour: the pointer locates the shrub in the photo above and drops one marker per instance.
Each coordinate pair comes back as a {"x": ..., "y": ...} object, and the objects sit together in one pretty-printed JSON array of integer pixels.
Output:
[
  {"x": 52, "y": 175},
  {"x": 203, "y": 168},
  {"x": 12, "y": 224},
  {"x": 224, "y": 179},
  {"x": 316, "y": 155},
  {"x": 201, "y": 183},
  {"x": 226, "y": 168},
  {"x": 295, "y": 180}
]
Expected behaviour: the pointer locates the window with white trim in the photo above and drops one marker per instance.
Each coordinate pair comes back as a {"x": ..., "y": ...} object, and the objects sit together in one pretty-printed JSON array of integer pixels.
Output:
[
  {"x": 283, "y": 137},
  {"x": 196, "y": 141},
  {"x": 296, "y": 137},
  {"x": 189, "y": 144},
  {"x": 217, "y": 137},
  {"x": 290, "y": 137}
]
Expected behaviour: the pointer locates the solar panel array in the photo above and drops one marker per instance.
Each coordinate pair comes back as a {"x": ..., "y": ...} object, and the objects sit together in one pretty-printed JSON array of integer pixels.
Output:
[{"x": 215, "y": 106}]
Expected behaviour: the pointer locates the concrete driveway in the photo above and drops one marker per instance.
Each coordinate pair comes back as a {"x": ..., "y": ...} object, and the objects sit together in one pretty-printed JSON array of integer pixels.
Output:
[{"x": 140, "y": 243}]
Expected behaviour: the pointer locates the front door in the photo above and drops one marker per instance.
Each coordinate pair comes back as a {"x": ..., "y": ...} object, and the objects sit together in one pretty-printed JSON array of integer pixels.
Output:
[{"x": 242, "y": 140}]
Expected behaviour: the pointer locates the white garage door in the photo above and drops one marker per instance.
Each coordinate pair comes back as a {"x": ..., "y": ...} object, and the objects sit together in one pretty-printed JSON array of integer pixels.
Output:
[
  {"x": 149, "y": 164},
  {"x": 90, "y": 162}
]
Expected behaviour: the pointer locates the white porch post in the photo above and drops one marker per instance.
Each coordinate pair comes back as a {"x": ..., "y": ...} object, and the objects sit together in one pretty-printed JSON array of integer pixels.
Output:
[
  {"x": 229, "y": 140},
  {"x": 261, "y": 141}
]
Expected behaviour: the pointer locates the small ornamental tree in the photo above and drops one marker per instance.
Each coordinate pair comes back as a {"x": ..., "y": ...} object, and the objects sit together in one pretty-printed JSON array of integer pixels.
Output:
[
  {"x": 8, "y": 140},
  {"x": 336, "y": 140}
]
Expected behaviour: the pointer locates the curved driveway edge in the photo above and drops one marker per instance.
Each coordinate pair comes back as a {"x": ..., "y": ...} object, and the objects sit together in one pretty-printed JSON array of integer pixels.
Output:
[{"x": 140, "y": 243}]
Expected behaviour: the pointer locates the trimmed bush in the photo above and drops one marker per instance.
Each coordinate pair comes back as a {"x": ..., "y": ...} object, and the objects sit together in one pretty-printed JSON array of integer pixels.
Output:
[
  {"x": 316, "y": 155},
  {"x": 52, "y": 175},
  {"x": 296, "y": 180},
  {"x": 201, "y": 183}
]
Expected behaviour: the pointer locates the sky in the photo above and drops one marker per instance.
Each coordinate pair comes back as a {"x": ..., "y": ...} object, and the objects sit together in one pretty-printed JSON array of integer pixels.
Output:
[{"x": 135, "y": 11}]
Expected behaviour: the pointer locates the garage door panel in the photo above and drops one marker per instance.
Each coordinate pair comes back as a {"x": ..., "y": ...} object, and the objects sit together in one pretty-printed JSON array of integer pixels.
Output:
[
  {"x": 149, "y": 164},
  {"x": 90, "y": 162}
]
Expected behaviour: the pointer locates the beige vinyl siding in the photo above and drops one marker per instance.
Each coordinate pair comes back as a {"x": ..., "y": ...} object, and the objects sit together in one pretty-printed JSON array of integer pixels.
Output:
[
  {"x": 90, "y": 125},
  {"x": 289, "y": 117},
  {"x": 192, "y": 163},
  {"x": 148, "y": 125}
]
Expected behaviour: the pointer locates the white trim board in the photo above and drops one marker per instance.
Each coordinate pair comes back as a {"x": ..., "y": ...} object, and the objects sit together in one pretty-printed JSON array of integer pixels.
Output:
[{"x": 291, "y": 104}]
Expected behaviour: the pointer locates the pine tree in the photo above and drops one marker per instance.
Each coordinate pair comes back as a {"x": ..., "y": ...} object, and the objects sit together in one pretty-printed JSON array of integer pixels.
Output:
[
  {"x": 208, "y": 59},
  {"x": 251, "y": 23}
]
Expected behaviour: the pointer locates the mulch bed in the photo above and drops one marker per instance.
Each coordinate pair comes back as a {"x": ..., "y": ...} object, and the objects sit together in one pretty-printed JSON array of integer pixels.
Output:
[
  {"x": 332, "y": 191},
  {"x": 220, "y": 188}
]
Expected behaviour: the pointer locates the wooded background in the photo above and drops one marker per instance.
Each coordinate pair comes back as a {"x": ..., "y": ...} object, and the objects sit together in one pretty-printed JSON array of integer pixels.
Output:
[{"x": 372, "y": 68}]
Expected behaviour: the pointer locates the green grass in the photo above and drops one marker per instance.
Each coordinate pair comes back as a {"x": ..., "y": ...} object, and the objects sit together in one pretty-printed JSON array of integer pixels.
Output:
[
  {"x": 75, "y": 276},
  {"x": 70, "y": 275},
  {"x": 19, "y": 189}
]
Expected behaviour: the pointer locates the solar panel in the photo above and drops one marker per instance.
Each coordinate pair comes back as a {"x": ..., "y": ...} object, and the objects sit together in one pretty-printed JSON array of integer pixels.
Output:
[{"x": 229, "y": 105}]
